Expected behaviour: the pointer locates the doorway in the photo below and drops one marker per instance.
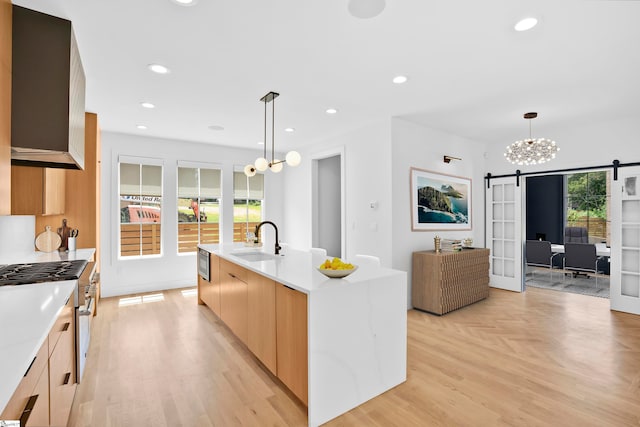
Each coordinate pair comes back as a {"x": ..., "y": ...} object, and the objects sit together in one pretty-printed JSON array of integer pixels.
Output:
[
  {"x": 567, "y": 225},
  {"x": 328, "y": 203}
]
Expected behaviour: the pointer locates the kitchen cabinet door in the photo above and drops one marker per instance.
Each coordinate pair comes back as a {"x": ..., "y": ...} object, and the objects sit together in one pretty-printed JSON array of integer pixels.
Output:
[
  {"x": 233, "y": 298},
  {"x": 62, "y": 379},
  {"x": 262, "y": 319},
  {"x": 214, "y": 283},
  {"x": 291, "y": 334},
  {"x": 29, "y": 385},
  {"x": 40, "y": 412},
  {"x": 37, "y": 191}
]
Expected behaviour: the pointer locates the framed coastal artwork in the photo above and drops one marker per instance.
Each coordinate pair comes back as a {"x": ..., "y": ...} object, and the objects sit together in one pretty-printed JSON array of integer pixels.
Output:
[{"x": 439, "y": 201}]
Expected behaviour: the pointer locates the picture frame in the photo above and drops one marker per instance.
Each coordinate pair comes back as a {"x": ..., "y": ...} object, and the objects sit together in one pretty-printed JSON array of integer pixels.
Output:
[{"x": 439, "y": 201}]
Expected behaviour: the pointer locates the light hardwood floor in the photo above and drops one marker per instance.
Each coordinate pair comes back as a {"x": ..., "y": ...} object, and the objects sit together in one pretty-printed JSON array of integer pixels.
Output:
[{"x": 541, "y": 358}]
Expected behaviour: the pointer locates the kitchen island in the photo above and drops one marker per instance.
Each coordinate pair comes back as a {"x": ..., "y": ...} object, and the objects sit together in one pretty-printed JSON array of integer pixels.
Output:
[
  {"x": 353, "y": 331},
  {"x": 27, "y": 315}
]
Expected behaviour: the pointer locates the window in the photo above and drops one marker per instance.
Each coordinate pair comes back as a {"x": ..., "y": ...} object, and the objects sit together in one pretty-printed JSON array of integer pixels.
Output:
[
  {"x": 198, "y": 207},
  {"x": 587, "y": 204},
  {"x": 140, "y": 209},
  {"x": 248, "y": 198}
]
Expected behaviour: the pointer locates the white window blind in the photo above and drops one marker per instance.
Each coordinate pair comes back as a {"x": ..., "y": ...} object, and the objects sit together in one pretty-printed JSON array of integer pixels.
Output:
[{"x": 256, "y": 186}]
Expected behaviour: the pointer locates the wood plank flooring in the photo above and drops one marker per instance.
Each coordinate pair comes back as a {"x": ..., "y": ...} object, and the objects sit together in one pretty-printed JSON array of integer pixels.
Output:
[{"x": 541, "y": 358}]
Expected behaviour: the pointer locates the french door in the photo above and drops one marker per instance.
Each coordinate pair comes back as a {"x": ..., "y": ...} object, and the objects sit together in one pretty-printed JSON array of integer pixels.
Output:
[
  {"x": 625, "y": 241},
  {"x": 504, "y": 233}
]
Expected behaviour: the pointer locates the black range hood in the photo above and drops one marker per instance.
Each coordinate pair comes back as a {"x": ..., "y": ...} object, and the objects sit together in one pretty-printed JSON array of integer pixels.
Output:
[{"x": 47, "y": 92}]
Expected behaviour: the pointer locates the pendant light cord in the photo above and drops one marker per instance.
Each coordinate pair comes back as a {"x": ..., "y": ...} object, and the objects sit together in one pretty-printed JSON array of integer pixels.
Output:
[
  {"x": 264, "y": 138},
  {"x": 273, "y": 123}
]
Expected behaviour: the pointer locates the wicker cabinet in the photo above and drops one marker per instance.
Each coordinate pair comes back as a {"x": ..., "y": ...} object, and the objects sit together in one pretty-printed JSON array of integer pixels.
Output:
[{"x": 445, "y": 281}]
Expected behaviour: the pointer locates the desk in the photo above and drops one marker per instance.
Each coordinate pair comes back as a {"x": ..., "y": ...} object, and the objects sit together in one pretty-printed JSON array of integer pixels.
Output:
[{"x": 600, "y": 250}]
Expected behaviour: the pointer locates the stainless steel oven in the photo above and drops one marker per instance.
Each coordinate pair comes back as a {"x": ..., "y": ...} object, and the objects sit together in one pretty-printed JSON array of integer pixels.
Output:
[
  {"x": 85, "y": 309},
  {"x": 203, "y": 264}
]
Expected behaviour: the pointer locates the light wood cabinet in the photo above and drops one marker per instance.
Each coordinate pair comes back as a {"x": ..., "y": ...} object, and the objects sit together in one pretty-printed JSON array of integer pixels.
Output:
[
  {"x": 51, "y": 377},
  {"x": 31, "y": 380},
  {"x": 291, "y": 333},
  {"x": 62, "y": 381},
  {"x": 62, "y": 385},
  {"x": 262, "y": 319},
  {"x": 446, "y": 281},
  {"x": 234, "y": 298},
  {"x": 209, "y": 290},
  {"x": 5, "y": 106},
  {"x": 37, "y": 191}
]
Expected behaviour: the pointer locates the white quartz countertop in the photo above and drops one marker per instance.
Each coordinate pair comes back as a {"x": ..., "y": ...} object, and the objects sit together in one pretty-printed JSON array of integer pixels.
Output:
[
  {"x": 27, "y": 314},
  {"x": 36, "y": 256},
  {"x": 295, "y": 268}
]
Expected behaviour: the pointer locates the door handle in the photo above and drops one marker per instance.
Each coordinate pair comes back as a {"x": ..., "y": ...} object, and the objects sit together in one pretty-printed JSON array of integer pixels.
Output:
[
  {"x": 27, "y": 409},
  {"x": 67, "y": 376}
]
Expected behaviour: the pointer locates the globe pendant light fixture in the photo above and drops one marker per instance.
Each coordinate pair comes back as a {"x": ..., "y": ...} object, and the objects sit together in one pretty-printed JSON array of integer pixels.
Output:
[
  {"x": 531, "y": 151},
  {"x": 275, "y": 165}
]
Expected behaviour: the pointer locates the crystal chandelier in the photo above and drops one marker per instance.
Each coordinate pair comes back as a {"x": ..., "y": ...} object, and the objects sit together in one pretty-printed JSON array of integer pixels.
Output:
[
  {"x": 275, "y": 165},
  {"x": 531, "y": 151}
]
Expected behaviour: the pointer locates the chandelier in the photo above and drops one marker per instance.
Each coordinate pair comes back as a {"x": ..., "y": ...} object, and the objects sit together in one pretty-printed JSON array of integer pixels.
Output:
[
  {"x": 275, "y": 165},
  {"x": 531, "y": 151}
]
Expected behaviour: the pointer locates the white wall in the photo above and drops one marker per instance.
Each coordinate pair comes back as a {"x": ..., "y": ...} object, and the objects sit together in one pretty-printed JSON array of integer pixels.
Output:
[
  {"x": 414, "y": 145},
  {"x": 126, "y": 276},
  {"x": 367, "y": 157}
]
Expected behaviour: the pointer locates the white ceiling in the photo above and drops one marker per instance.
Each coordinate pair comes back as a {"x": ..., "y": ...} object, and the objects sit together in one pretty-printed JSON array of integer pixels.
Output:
[{"x": 469, "y": 72}]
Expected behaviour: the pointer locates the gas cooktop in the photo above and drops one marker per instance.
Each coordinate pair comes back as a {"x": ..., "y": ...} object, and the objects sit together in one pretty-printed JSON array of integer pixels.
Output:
[{"x": 21, "y": 274}]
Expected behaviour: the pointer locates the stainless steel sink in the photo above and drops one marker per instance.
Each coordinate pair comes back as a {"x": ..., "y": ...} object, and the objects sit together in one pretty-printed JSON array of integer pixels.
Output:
[{"x": 254, "y": 256}]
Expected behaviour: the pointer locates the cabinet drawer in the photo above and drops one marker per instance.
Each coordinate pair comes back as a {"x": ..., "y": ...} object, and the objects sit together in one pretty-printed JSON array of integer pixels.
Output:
[
  {"x": 234, "y": 270},
  {"x": 18, "y": 401},
  {"x": 61, "y": 380},
  {"x": 64, "y": 323}
]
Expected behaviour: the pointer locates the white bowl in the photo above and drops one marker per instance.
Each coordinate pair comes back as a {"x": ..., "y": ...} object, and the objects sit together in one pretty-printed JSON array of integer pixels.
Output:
[{"x": 337, "y": 274}]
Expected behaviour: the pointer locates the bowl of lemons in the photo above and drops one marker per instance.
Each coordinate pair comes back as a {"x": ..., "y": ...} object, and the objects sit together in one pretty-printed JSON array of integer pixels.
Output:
[{"x": 336, "y": 268}]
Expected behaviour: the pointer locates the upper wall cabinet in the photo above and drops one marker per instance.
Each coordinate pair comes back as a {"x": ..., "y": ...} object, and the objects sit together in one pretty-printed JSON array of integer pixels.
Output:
[
  {"x": 48, "y": 86},
  {"x": 37, "y": 191}
]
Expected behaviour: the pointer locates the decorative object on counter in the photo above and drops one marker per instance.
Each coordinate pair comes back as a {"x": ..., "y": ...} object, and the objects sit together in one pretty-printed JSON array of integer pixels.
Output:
[
  {"x": 48, "y": 241},
  {"x": 261, "y": 164},
  {"x": 436, "y": 243},
  {"x": 64, "y": 232},
  {"x": 71, "y": 244},
  {"x": 467, "y": 242},
  {"x": 531, "y": 151},
  {"x": 451, "y": 245},
  {"x": 439, "y": 201},
  {"x": 336, "y": 268}
]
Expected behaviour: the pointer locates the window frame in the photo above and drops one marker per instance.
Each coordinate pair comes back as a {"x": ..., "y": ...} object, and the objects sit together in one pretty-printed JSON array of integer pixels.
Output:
[{"x": 141, "y": 161}]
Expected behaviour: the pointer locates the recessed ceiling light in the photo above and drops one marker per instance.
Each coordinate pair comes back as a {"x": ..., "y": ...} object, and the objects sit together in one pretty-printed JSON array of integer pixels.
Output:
[
  {"x": 331, "y": 111},
  {"x": 399, "y": 79},
  {"x": 185, "y": 2},
  {"x": 526, "y": 24},
  {"x": 289, "y": 130},
  {"x": 157, "y": 68},
  {"x": 216, "y": 127},
  {"x": 147, "y": 105},
  {"x": 366, "y": 9},
  {"x": 142, "y": 127}
]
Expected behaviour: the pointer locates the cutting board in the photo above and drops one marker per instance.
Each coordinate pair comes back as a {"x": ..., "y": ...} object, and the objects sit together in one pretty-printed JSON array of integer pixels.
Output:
[{"x": 48, "y": 241}]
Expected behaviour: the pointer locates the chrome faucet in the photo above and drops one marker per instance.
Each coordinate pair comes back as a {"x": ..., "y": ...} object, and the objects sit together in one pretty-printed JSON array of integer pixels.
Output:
[{"x": 274, "y": 227}]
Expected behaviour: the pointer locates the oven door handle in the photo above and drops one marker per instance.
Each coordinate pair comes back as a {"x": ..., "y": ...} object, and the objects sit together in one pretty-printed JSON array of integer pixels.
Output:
[{"x": 87, "y": 309}]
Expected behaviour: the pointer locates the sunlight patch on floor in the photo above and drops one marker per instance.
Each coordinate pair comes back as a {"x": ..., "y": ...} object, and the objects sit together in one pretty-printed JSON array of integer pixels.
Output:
[{"x": 140, "y": 299}]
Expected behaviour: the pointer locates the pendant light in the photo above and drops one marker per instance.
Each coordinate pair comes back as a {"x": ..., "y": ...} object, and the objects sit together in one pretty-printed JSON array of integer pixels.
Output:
[
  {"x": 531, "y": 151},
  {"x": 292, "y": 158}
]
